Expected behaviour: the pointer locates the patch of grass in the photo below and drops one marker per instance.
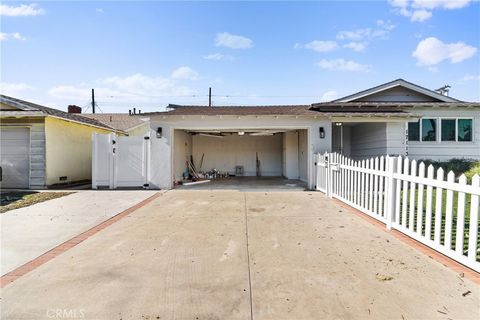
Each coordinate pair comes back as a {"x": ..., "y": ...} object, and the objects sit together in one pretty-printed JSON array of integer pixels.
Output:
[
  {"x": 11, "y": 200},
  {"x": 466, "y": 223}
]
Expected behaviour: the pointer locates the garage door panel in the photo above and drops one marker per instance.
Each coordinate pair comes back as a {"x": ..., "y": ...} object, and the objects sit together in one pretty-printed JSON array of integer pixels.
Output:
[
  {"x": 14, "y": 148},
  {"x": 14, "y": 157}
]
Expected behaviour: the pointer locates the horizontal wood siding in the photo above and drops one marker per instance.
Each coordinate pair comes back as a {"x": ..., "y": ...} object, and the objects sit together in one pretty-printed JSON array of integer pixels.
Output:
[
  {"x": 368, "y": 139},
  {"x": 443, "y": 150},
  {"x": 395, "y": 138}
]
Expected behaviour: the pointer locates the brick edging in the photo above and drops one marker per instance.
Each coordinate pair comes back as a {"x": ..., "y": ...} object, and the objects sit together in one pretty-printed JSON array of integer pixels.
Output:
[
  {"x": 61, "y": 248},
  {"x": 431, "y": 253}
]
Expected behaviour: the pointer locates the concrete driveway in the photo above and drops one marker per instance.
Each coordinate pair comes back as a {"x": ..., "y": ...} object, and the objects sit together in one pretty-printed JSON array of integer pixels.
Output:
[
  {"x": 236, "y": 255},
  {"x": 28, "y": 232}
]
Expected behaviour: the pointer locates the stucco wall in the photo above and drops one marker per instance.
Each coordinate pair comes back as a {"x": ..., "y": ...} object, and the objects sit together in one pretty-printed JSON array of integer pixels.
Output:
[
  {"x": 290, "y": 155},
  {"x": 234, "y": 150},
  {"x": 161, "y": 149},
  {"x": 444, "y": 150},
  {"x": 303, "y": 154},
  {"x": 140, "y": 130},
  {"x": 68, "y": 150},
  {"x": 182, "y": 150}
]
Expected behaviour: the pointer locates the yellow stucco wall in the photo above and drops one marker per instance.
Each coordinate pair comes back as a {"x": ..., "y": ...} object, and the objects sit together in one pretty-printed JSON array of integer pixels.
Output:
[
  {"x": 68, "y": 150},
  {"x": 140, "y": 130}
]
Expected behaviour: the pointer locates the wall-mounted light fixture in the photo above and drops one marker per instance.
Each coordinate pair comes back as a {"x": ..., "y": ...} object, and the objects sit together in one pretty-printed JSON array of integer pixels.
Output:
[
  {"x": 338, "y": 124},
  {"x": 322, "y": 133},
  {"x": 159, "y": 132}
]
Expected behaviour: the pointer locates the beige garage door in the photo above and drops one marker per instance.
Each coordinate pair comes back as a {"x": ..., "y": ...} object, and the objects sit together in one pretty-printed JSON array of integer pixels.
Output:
[{"x": 15, "y": 157}]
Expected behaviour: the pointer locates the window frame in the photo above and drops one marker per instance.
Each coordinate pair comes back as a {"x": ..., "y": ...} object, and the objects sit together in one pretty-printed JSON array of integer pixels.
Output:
[
  {"x": 456, "y": 128},
  {"x": 436, "y": 129},
  {"x": 438, "y": 134}
]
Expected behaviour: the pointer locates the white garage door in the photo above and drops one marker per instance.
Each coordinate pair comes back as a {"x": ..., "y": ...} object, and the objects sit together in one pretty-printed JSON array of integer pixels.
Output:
[{"x": 15, "y": 157}]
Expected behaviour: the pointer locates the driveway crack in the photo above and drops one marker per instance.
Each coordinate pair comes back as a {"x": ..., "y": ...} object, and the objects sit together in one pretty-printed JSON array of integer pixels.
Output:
[{"x": 248, "y": 257}]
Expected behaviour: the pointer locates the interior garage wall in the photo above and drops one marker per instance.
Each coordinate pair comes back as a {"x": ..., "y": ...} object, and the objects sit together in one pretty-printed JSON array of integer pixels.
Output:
[
  {"x": 368, "y": 139},
  {"x": 182, "y": 149},
  {"x": 303, "y": 154},
  {"x": 225, "y": 153},
  {"x": 290, "y": 155}
]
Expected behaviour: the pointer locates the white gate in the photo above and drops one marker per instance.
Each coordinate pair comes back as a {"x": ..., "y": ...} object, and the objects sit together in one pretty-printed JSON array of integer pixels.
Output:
[
  {"x": 120, "y": 161},
  {"x": 321, "y": 168}
]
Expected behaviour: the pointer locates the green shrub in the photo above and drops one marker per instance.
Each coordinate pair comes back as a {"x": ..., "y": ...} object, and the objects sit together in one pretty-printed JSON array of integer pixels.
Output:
[
  {"x": 475, "y": 169},
  {"x": 458, "y": 165}
]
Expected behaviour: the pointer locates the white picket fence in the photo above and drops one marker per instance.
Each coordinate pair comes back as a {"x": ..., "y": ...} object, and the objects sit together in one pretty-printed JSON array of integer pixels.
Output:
[{"x": 407, "y": 196}]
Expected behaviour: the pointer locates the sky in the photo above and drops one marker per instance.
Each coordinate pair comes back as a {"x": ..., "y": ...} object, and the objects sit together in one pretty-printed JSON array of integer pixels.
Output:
[{"x": 149, "y": 54}]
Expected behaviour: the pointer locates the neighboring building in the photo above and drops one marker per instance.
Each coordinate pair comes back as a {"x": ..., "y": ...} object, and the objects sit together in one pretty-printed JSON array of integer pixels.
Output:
[
  {"x": 131, "y": 125},
  {"x": 370, "y": 123},
  {"x": 41, "y": 146}
]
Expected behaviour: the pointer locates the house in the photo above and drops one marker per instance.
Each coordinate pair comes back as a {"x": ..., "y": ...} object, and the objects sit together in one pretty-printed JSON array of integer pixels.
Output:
[
  {"x": 42, "y": 146},
  {"x": 440, "y": 128},
  {"x": 395, "y": 118},
  {"x": 132, "y": 126}
]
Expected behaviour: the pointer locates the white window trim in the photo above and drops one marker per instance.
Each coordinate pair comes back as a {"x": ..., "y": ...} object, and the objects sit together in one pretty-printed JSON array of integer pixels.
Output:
[
  {"x": 456, "y": 128},
  {"x": 436, "y": 129},
  {"x": 438, "y": 133}
]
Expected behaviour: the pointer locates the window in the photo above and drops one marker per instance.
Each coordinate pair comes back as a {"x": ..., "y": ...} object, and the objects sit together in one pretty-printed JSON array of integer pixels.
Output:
[
  {"x": 448, "y": 129},
  {"x": 429, "y": 129},
  {"x": 414, "y": 131},
  {"x": 465, "y": 129}
]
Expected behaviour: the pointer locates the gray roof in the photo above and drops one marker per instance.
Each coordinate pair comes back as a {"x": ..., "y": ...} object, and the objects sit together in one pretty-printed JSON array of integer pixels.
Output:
[
  {"x": 120, "y": 121},
  {"x": 180, "y": 110},
  {"x": 29, "y": 106},
  {"x": 398, "y": 82}
]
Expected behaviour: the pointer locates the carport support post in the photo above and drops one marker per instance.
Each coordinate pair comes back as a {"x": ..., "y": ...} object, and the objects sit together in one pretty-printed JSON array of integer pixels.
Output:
[{"x": 390, "y": 192}]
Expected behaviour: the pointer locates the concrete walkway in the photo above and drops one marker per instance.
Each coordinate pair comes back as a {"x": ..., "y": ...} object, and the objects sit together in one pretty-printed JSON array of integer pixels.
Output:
[
  {"x": 28, "y": 232},
  {"x": 236, "y": 255}
]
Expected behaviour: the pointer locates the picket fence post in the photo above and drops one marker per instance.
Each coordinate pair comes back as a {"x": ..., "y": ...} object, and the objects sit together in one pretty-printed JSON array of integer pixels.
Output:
[{"x": 390, "y": 197}]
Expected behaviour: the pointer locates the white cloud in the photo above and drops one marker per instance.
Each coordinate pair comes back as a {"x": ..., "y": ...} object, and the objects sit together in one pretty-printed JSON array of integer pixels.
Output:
[
  {"x": 15, "y": 35},
  {"x": 432, "y": 51},
  {"x": 185, "y": 72},
  {"x": 445, "y": 4},
  {"x": 21, "y": 10},
  {"x": 13, "y": 89},
  {"x": 232, "y": 41},
  {"x": 329, "y": 96},
  {"x": 470, "y": 77},
  {"x": 218, "y": 56},
  {"x": 145, "y": 85},
  {"x": 132, "y": 88},
  {"x": 99, "y": 10},
  {"x": 382, "y": 31},
  {"x": 421, "y": 10},
  {"x": 387, "y": 25},
  {"x": 319, "y": 45},
  {"x": 341, "y": 65},
  {"x": 356, "y": 46},
  {"x": 420, "y": 15}
]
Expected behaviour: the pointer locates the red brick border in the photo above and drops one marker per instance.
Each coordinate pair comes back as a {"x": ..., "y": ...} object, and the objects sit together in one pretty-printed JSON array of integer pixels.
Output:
[
  {"x": 435, "y": 255},
  {"x": 61, "y": 248}
]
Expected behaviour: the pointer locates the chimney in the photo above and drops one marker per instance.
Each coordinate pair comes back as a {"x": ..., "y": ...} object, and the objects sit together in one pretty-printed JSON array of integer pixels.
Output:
[
  {"x": 444, "y": 91},
  {"x": 74, "y": 109}
]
